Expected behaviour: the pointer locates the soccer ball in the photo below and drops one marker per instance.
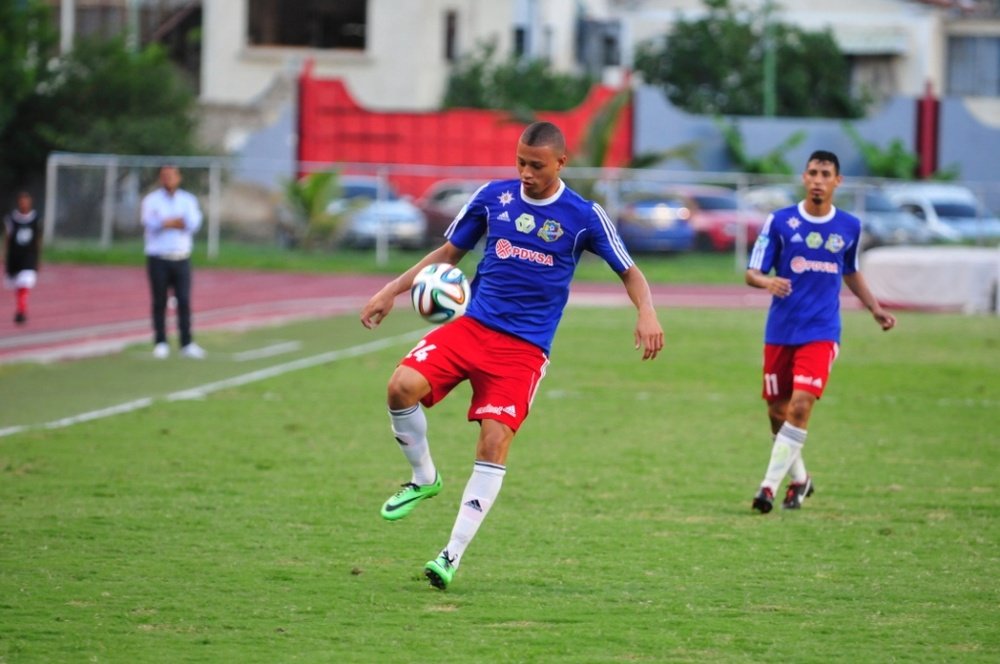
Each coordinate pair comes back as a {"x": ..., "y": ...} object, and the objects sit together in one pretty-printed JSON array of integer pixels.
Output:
[{"x": 440, "y": 292}]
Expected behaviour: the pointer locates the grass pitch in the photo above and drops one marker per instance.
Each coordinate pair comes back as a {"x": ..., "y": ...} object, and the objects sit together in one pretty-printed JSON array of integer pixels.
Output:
[{"x": 243, "y": 525}]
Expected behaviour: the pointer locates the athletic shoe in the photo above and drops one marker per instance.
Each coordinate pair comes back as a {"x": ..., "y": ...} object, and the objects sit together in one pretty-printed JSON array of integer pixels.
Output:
[
  {"x": 440, "y": 571},
  {"x": 193, "y": 351},
  {"x": 161, "y": 351},
  {"x": 797, "y": 493},
  {"x": 763, "y": 502},
  {"x": 403, "y": 501},
  {"x": 20, "y": 317}
]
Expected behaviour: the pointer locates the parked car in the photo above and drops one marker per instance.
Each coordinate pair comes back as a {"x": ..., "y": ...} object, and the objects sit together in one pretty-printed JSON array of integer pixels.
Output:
[
  {"x": 442, "y": 202},
  {"x": 950, "y": 211},
  {"x": 653, "y": 221},
  {"x": 885, "y": 223},
  {"x": 768, "y": 198},
  {"x": 713, "y": 213},
  {"x": 368, "y": 215}
]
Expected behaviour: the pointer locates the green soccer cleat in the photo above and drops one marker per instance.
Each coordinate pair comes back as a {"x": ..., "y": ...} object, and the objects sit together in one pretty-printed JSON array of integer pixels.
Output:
[
  {"x": 440, "y": 571},
  {"x": 403, "y": 501}
]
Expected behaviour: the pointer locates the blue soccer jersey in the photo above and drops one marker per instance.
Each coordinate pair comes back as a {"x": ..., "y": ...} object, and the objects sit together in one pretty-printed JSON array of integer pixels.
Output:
[
  {"x": 814, "y": 253},
  {"x": 531, "y": 252}
]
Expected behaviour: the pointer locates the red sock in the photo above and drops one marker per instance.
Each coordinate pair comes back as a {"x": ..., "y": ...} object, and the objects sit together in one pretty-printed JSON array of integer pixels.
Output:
[{"x": 22, "y": 300}]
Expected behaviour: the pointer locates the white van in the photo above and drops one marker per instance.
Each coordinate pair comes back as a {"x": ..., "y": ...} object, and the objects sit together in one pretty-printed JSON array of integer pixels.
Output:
[{"x": 951, "y": 211}]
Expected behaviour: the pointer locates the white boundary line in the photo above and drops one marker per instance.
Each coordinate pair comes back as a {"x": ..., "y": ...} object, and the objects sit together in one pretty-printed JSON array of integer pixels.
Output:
[
  {"x": 203, "y": 390},
  {"x": 277, "y": 348}
]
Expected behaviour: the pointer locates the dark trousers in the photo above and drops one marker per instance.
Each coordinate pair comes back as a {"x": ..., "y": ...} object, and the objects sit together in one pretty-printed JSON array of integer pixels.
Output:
[{"x": 165, "y": 275}]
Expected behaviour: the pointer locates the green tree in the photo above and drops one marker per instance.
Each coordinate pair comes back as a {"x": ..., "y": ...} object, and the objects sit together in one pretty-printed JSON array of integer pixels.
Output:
[
  {"x": 101, "y": 97},
  {"x": 715, "y": 65},
  {"x": 27, "y": 41},
  {"x": 515, "y": 84},
  {"x": 110, "y": 99}
]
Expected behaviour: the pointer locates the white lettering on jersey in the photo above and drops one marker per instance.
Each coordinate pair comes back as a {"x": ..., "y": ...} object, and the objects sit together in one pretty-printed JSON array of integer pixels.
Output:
[
  {"x": 420, "y": 351},
  {"x": 800, "y": 265},
  {"x": 505, "y": 250}
]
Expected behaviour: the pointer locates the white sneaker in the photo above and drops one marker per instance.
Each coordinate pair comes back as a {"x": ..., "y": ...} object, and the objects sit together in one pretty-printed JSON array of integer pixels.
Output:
[
  {"x": 161, "y": 351},
  {"x": 193, "y": 351}
]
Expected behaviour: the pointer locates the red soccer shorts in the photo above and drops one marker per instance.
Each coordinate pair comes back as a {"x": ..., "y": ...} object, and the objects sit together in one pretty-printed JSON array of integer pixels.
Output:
[
  {"x": 504, "y": 371},
  {"x": 806, "y": 367}
]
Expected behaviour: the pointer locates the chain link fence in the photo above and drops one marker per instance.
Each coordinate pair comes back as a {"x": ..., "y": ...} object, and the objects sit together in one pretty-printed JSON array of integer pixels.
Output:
[{"x": 96, "y": 198}]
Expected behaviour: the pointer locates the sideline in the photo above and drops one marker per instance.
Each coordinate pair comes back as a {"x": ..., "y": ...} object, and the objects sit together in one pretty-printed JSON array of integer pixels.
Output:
[{"x": 206, "y": 389}]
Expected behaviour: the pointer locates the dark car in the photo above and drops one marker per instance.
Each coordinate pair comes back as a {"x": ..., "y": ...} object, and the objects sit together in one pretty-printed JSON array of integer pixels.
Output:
[
  {"x": 717, "y": 216},
  {"x": 651, "y": 221},
  {"x": 885, "y": 223},
  {"x": 442, "y": 202}
]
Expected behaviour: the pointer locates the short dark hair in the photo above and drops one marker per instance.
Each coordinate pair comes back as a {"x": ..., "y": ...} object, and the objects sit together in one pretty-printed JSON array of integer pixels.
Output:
[
  {"x": 825, "y": 155},
  {"x": 544, "y": 133}
]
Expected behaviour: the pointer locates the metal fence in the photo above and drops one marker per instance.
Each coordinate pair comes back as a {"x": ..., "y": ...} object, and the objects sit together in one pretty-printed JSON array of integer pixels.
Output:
[{"x": 97, "y": 198}]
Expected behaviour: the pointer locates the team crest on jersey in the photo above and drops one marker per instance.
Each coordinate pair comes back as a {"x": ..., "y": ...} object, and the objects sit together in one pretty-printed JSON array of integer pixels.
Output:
[
  {"x": 506, "y": 198},
  {"x": 550, "y": 231},
  {"x": 525, "y": 223},
  {"x": 814, "y": 240},
  {"x": 834, "y": 243},
  {"x": 794, "y": 223}
]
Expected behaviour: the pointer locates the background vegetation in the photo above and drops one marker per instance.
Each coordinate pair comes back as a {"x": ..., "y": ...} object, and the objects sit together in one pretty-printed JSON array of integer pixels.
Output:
[
  {"x": 715, "y": 65},
  {"x": 101, "y": 97}
]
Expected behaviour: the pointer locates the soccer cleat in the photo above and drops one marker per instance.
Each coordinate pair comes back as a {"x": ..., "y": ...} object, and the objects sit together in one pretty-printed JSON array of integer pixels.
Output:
[
  {"x": 161, "y": 351},
  {"x": 193, "y": 351},
  {"x": 763, "y": 502},
  {"x": 20, "y": 317},
  {"x": 797, "y": 493},
  {"x": 441, "y": 570},
  {"x": 403, "y": 501}
]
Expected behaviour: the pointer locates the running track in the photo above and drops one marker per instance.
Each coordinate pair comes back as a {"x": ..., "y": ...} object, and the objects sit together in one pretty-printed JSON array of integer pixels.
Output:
[{"x": 78, "y": 311}]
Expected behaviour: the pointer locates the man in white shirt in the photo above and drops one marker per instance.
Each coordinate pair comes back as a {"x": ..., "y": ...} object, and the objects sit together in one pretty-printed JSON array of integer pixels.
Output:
[{"x": 171, "y": 216}]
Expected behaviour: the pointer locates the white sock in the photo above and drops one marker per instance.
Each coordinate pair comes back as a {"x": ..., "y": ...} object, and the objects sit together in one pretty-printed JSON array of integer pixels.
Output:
[
  {"x": 797, "y": 472},
  {"x": 480, "y": 494},
  {"x": 787, "y": 447},
  {"x": 410, "y": 428}
]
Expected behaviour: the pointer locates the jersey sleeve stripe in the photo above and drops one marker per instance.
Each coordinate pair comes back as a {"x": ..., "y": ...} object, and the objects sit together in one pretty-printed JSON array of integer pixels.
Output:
[
  {"x": 757, "y": 255},
  {"x": 616, "y": 242}
]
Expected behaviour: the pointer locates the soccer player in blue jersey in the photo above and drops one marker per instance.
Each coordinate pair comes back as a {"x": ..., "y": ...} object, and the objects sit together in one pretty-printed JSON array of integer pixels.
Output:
[
  {"x": 535, "y": 230},
  {"x": 811, "y": 247}
]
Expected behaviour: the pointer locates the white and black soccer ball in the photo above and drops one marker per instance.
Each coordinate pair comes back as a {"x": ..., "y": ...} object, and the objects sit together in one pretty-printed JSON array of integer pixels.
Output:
[{"x": 440, "y": 292}]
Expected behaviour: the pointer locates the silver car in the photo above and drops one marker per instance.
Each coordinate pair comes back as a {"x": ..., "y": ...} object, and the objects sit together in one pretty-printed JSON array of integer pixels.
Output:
[{"x": 369, "y": 215}]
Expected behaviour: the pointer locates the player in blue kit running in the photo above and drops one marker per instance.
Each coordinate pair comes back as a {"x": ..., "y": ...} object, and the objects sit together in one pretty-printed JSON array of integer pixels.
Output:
[
  {"x": 811, "y": 247},
  {"x": 536, "y": 230}
]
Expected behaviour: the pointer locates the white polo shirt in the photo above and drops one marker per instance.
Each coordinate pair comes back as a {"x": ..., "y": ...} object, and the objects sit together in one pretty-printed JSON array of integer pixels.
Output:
[{"x": 160, "y": 205}]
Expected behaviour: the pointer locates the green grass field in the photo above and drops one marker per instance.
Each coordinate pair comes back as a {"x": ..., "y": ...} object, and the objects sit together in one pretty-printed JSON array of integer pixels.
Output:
[
  {"x": 240, "y": 523},
  {"x": 688, "y": 268}
]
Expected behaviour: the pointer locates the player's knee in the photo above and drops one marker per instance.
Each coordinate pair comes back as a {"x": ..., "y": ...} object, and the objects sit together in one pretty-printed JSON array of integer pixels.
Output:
[
  {"x": 405, "y": 389},
  {"x": 494, "y": 442},
  {"x": 799, "y": 409}
]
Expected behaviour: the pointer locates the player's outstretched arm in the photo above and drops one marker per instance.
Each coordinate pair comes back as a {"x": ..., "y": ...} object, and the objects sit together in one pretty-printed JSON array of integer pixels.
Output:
[
  {"x": 648, "y": 332},
  {"x": 856, "y": 282},
  {"x": 381, "y": 303}
]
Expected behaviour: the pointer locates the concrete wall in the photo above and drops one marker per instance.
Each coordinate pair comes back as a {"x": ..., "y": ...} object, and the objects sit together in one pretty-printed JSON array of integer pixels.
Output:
[
  {"x": 661, "y": 126},
  {"x": 403, "y": 65},
  {"x": 964, "y": 141}
]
